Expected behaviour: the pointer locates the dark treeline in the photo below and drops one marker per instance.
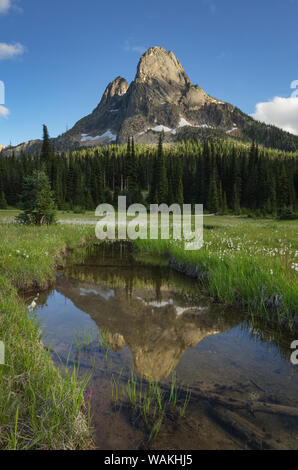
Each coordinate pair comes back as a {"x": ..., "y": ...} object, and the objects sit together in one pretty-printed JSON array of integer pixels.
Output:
[{"x": 221, "y": 175}]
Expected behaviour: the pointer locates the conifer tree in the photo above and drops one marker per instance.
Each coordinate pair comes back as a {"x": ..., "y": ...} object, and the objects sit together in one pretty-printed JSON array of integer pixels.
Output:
[
  {"x": 37, "y": 200},
  {"x": 46, "y": 150},
  {"x": 283, "y": 188},
  {"x": 47, "y": 155},
  {"x": 162, "y": 182},
  {"x": 224, "y": 209},
  {"x": 236, "y": 200},
  {"x": 180, "y": 195},
  {"x": 132, "y": 175},
  {"x": 213, "y": 204},
  {"x": 3, "y": 202}
]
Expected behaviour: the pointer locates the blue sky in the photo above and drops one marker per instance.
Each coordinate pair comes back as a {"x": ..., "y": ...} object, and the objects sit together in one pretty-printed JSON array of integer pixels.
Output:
[{"x": 56, "y": 57}]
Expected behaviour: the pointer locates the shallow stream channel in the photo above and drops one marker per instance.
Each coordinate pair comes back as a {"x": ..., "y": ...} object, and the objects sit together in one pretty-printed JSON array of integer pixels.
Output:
[{"x": 168, "y": 368}]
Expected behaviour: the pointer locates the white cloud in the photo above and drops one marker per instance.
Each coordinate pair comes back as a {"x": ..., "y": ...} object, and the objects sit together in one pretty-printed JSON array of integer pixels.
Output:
[
  {"x": 8, "y": 51},
  {"x": 139, "y": 49},
  {"x": 4, "y": 112},
  {"x": 5, "y": 5},
  {"x": 281, "y": 112}
]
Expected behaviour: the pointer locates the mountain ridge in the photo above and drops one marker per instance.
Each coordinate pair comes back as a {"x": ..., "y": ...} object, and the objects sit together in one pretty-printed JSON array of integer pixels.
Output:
[{"x": 162, "y": 98}]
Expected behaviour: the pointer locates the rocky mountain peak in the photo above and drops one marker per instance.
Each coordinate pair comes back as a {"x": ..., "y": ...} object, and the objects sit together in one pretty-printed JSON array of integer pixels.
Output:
[
  {"x": 159, "y": 64},
  {"x": 116, "y": 88}
]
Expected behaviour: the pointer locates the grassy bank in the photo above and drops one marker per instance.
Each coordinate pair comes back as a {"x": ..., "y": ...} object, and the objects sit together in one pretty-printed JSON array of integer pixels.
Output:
[
  {"x": 40, "y": 408},
  {"x": 250, "y": 262},
  {"x": 9, "y": 215}
]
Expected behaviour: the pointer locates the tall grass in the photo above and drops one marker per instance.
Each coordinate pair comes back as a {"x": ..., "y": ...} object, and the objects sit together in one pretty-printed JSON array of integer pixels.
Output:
[
  {"x": 29, "y": 255},
  {"x": 40, "y": 407},
  {"x": 151, "y": 401},
  {"x": 247, "y": 262}
]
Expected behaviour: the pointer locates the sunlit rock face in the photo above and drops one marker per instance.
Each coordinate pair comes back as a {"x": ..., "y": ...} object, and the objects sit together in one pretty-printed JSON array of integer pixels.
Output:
[
  {"x": 158, "y": 64},
  {"x": 115, "y": 89},
  {"x": 161, "y": 98},
  {"x": 150, "y": 320}
]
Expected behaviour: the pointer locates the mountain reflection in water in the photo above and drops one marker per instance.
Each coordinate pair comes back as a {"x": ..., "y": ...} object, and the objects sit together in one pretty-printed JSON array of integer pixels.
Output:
[{"x": 156, "y": 325}]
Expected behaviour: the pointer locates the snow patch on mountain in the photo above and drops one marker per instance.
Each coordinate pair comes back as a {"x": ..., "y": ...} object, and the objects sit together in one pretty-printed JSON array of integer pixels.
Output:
[
  {"x": 183, "y": 122},
  {"x": 89, "y": 138},
  {"x": 232, "y": 130},
  {"x": 161, "y": 129}
]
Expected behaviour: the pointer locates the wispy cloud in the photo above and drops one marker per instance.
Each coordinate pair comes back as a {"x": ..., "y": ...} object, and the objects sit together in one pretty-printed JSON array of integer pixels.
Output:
[
  {"x": 281, "y": 112},
  {"x": 9, "y": 51},
  {"x": 4, "y": 112},
  {"x": 211, "y": 5},
  {"x": 6, "y": 5},
  {"x": 134, "y": 48}
]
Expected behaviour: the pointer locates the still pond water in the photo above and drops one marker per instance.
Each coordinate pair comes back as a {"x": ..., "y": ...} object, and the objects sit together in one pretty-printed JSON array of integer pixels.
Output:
[{"x": 157, "y": 323}]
